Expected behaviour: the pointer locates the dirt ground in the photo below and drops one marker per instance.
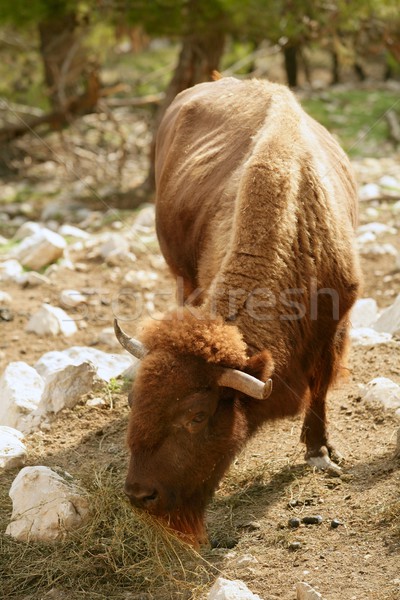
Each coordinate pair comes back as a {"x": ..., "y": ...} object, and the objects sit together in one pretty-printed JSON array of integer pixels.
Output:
[{"x": 269, "y": 482}]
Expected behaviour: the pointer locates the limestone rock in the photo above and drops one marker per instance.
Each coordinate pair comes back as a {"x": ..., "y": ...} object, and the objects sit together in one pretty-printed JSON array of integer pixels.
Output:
[
  {"x": 224, "y": 589},
  {"x": 382, "y": 390},
  {"x": 74, "y": 232},
  {"x": 306, "y": 592},
  {"x": 364, "y": 313},
  {"x": 389, "y": 320},
  {"x": 45, "y": 505},
  {"x": 369, "y": 191},
  {"x": 379, "y": 250},
  {"x": 141, "y": 280},
  {"x": 12, "y": 448},
  {"x": 72, "y": 298},
  {"x": 65, "y": 387},
  {"x": 10, "y": 270},
  {"x": 51, "y": 320},
  {"x": 145, "y": 219},
  {"x": 5, "y": 299},
  {"x": 21, "y": 389},
  {"x": 96, "y": 402},
  {"x": 107, "y": 365},
  {"x": 366, "y": 336},
  {"x": 28, "y": 229},
  {"x": 376, "y": 228},
  {"x": 107, "y": 337},
  {"x": 40, "y": 249},
  {"x": 115, "y": 244}
]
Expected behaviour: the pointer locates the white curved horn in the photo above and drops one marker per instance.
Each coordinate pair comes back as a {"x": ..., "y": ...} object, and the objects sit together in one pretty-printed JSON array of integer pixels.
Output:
[
  {"x": 133, "y": 346},
  {"x": 242, "y": 382}
]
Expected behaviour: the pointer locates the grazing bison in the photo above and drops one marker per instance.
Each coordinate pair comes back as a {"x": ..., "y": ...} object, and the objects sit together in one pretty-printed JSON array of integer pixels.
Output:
[{"x": 255, "y": 208}]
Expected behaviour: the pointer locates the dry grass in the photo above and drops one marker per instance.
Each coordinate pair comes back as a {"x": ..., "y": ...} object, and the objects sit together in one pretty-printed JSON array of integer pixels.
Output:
[
  {"x": 117, "y": 554},
  {"x": 389, "y": 516}
]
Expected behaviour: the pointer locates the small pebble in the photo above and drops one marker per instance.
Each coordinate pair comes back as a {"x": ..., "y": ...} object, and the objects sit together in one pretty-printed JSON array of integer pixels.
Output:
[
  {"x": 335, "y": 523},
  {"x": 313, "y": 520},
  {"x": 295, "y": 546},
  {"x": 294, "y": 522},
  {"x": 252, "y": 526},
  {"x": 227, "y": 543}
]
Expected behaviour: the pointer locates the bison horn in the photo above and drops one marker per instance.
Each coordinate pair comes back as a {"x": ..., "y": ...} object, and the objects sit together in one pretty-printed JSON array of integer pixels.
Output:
[
  {"x": 242, "y": 382},
  {"x": 133, "y": 346}
]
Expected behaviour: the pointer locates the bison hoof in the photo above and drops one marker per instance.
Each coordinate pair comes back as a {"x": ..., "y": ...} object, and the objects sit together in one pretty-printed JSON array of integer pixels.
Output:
[{"x": 322, "y": 461}]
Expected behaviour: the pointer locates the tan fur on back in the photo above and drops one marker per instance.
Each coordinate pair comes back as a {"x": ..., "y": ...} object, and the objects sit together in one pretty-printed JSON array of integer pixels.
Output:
[{"x": 254, "y": 194}]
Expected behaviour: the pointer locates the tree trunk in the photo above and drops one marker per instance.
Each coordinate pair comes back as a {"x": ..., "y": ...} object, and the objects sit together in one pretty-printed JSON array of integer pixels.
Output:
[
  {"x": 291, "y": 66},
  {"x": 65, "y": 63},
  {"x": 199, "y": 57},
  {"x": 335, "y": 68}
]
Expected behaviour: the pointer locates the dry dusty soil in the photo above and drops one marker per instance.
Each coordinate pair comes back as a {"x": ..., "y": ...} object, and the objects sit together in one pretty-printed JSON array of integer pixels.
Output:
[{"x": 269, "y": 482}]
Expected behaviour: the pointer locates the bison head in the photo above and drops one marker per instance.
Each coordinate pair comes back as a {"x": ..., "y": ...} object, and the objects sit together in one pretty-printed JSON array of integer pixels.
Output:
[{"x": 187, "y": 418}]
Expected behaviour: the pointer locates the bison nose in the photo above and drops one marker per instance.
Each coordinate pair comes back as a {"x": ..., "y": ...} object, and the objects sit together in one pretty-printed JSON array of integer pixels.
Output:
[{"x": 141, "y": 496}]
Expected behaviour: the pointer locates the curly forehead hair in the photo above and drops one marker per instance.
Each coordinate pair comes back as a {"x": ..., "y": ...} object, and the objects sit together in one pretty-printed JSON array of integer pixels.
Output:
[{"x": 188, "y": 331}]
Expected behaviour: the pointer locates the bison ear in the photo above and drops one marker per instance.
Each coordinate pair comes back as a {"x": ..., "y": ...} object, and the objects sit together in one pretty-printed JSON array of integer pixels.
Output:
[{"x": 260, "y": 365}]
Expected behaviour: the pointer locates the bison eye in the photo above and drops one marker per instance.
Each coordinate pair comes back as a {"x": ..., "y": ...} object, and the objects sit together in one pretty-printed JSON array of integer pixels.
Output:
[
  {"x": 199, "y": 417},
  {"x": 197, "y": 422}
]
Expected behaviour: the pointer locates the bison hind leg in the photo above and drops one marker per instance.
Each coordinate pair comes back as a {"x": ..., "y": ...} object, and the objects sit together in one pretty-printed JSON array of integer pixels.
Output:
[
  {"x": 320, "y": 452},
  {"x": 322, "y": 459}
]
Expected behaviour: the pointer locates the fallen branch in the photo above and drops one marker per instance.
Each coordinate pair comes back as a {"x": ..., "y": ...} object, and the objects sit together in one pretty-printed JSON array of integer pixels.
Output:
[
  {"x": 76, "y": 106},
  {"x": 141, "y": 101}
]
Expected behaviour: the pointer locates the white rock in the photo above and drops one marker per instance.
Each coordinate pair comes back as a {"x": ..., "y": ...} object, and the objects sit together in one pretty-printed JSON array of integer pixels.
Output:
[
  {"x": 376, "y": 228},
  {"x": 364, "y": 313},
  {"x": 33, "y": 279},
  {"x": 306, "y": 592},
  {"x": 5, "y": 299},
  {"x": 365, "y": 238},
  {"x": 141, "y": 280},
  {"x": 21, "y": 389},
  {"x": 372, "y": 212},
  {"x": 383, "y": 390},
  {"x": 366, "y": 336},
  {"x": 74, "y": 232},
  {"x": 10, "y": 270},
  {"x": 12, "y": 448},
  {"x": 145, "y": 218},
  {"x": 45, "y": 505},
  {"x": 40, "y": 249},
  {"x": 224, "y": 589},
  {"x": 72, "y": 298},
  {"x": 391, "y": 184},
  {"x": 27, "y": 229},
  {"x": 107, "y": 337},
  {"x": 65, "y": 387},
  {"x": 114, "y": 244},
  {"x": 108, "y": 366},
  {"x": 389, "y": 320},
  {"x": 378, "y": 250},
  {"x": 246, "y": 560},
  {"x": 396, "y": 208},
  {"x": 96, "y": 402},
  {"x": 118, "y": 258},
  {"x": 3, "y": 240},
  {"x": 369, "y": 191},
  {"x": 51, "y": 320}
]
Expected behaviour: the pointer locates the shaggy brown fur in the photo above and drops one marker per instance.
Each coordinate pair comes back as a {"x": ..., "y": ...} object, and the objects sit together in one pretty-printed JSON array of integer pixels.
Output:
[{"x": 255, "y": 212}]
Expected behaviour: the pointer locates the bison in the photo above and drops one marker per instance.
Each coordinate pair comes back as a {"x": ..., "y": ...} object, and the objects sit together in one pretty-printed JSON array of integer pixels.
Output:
[{"x": 255, "y": 212}]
